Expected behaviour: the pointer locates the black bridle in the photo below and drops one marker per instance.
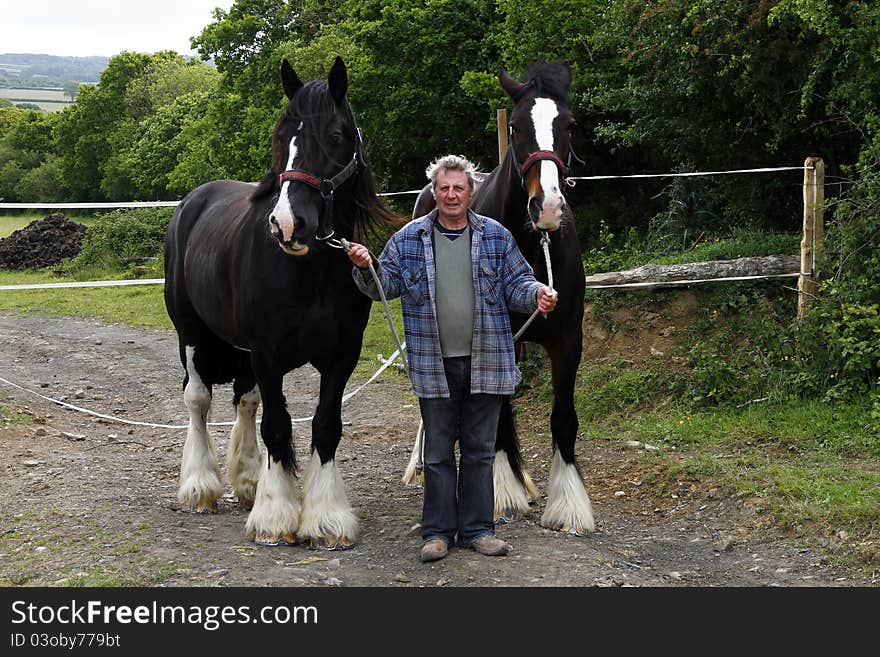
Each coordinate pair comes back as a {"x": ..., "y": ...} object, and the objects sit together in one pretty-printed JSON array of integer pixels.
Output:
[{"x": 327, "y": 187}]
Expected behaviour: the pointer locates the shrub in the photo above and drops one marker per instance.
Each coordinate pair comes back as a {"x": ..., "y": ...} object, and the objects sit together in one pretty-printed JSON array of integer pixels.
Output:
[{"x": 123, "y": 239}]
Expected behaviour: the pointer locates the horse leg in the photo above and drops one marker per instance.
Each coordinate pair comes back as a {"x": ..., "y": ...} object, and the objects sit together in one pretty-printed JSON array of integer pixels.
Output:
[
  {"x": 514, "y": 488},
  {"x": 568, "y": 505},
  {"x": 274, "y": 518},
  {"x": 243, "y": 456},
  {"x": 200, "y": 486},
  {"x": 327, "y": 517}
]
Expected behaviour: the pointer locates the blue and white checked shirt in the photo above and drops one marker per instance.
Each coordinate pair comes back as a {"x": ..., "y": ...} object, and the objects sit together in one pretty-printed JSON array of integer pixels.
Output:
[{"x": 502, "y": 279}]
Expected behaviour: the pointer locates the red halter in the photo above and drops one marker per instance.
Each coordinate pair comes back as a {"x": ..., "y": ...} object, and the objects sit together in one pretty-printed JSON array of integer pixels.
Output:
[{"x": 537, "y": 156}]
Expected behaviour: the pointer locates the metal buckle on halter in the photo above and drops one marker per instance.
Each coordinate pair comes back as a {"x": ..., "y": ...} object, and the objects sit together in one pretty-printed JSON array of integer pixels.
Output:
[{"x": 326, "y": 188}]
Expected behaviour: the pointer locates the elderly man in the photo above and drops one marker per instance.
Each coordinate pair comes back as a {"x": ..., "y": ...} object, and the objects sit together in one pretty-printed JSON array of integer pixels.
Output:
[{"x": 457, "y": 273}]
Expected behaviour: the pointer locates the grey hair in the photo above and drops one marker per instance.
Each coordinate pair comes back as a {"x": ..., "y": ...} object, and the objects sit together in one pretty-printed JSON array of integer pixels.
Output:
[{"x": 451, "y": 163}]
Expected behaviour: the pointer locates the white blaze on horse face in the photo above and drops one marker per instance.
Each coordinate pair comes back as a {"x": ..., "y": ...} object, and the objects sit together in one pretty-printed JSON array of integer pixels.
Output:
[
  {"x": 283, "y": 222},
  {"x": 544, "y": 112}
]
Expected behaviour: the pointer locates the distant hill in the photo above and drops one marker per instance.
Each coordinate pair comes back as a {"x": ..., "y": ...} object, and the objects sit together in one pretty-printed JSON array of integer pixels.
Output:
[{"x": 28, "y": 70}]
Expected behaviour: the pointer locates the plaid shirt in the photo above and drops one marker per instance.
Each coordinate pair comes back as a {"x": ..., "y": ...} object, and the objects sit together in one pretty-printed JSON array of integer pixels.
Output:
[{"x": 502, "y": 279}]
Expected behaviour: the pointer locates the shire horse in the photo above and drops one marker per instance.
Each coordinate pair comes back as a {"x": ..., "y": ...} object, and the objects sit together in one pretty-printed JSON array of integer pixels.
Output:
[
  {"x": 255, "y": 288},
  {"x": 525, "y": 193}
]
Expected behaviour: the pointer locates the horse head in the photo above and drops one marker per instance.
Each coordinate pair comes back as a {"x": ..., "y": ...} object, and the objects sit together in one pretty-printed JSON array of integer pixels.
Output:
[
  {"x": 540, "y": 139},
  {"x": 316, "y": 151}
]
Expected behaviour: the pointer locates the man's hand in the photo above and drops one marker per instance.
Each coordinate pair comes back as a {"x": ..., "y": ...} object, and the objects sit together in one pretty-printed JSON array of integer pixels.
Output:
[
  {"x": 547, "y": 299},
  {"x": 359, "y": 255}
]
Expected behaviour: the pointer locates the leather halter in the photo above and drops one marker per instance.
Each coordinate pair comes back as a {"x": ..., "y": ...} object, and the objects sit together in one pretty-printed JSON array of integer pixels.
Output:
[
  {"x": 328, "y": 186},
  {"x": 539, "y": 156}
]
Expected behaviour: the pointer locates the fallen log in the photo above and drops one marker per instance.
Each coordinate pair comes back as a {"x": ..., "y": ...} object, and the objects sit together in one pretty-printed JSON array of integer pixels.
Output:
[{"x": 650, "y": 276}]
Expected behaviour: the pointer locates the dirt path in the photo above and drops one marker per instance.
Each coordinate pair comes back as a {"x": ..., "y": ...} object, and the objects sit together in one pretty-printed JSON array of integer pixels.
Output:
[{"x": 85, "y": 500}]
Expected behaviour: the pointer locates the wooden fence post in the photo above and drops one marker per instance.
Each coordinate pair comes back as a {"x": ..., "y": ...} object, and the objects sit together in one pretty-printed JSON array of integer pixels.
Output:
[
  {"x": 812, "y": 240},
  {"x": 502, "y": 134}
]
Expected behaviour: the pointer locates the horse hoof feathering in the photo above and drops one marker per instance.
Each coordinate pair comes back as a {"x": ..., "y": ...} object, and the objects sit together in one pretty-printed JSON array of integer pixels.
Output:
[
  {"x": 255, "y": 289},
  {"x": 524, "y": 193}
]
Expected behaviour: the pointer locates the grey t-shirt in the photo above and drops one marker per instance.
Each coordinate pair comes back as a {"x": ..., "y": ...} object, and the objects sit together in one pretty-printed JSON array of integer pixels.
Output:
[{"x": 455, "y": 293}]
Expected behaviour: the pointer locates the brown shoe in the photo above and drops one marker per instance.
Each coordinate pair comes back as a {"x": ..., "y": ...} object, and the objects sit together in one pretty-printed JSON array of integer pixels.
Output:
[
  {"x": 491, "y": 546},
  {"x": 434, "y": 549}
]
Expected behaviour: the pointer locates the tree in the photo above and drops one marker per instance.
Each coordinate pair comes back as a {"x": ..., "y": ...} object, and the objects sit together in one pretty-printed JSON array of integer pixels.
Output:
[
  {"x": 71, "y": 89},
  {"x": 85, "y": 129},
  {"x": 406, "y": 90},
  {"x": 26, "y": 145}
]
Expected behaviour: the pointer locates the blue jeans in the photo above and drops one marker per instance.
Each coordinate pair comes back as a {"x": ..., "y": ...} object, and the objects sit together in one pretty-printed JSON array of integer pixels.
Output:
[{"x": 459, "y": 503}]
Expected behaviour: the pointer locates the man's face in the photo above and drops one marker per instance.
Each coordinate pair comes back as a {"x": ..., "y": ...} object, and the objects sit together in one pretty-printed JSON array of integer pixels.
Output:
[{"x": 452, "y": 194}]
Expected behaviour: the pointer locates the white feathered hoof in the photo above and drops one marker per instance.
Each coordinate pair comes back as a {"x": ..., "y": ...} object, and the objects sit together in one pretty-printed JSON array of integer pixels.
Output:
[
  {"x": 511, "y": 497},
  {"x": 199, "y": 493},
  {"x": 274, "y": 518},
  {"x": 245, "y": 490},
  {"x": 245, "y": 459},
  {"x": 327, "y": 519},
  {"x": 568, "y": 505}
]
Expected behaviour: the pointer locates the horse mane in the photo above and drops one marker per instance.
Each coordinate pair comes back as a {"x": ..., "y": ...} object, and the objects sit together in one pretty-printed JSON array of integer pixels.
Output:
[
  {"x": 311, "y": 103},
  {"x": 551, "y": 79}
]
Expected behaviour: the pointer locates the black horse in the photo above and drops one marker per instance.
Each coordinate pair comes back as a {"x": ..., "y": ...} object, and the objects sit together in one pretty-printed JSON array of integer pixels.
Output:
[
  {"x": 525, "y": 193},
  {"x": 255, "y": 289}
]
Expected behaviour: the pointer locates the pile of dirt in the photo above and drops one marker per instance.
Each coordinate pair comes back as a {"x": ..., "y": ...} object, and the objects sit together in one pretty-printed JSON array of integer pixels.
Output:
[{"x": 42, "y": 243}]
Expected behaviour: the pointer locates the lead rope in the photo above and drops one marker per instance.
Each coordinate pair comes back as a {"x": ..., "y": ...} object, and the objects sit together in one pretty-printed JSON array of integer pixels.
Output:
[
  {"x": 545, "y": 245},
  {"x": 419, "y": 447}
]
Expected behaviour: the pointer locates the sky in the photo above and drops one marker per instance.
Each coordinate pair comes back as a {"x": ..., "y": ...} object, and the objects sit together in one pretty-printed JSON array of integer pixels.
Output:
[{"x": 102, "y": 27}]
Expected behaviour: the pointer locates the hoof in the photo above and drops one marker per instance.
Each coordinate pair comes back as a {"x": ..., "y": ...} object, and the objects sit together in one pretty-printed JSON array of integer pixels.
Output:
[
  {"x": 276, "y": 541},
  {"x": 331, "y": 543},
  {"x": 506, "y": 516},
  {"x": 568, "y": 529},
  {"x": 202, "y": 507}
]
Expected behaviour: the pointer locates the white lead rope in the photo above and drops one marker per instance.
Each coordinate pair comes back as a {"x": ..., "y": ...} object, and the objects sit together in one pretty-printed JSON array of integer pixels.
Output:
[
  {"x": 419, "y": 447},
  {"x": 545, "y": 245}
]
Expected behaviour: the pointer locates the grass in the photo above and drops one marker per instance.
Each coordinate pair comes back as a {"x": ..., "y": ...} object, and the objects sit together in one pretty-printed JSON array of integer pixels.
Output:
[{"x": 86, "y": 554}]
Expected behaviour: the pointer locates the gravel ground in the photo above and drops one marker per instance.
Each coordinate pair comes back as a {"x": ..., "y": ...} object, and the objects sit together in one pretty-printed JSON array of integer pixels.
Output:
[{"x": 89, "y": 500}]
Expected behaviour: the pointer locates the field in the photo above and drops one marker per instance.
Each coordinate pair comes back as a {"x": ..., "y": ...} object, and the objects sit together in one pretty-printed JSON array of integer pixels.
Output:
[{"x": 49, "y": 100}]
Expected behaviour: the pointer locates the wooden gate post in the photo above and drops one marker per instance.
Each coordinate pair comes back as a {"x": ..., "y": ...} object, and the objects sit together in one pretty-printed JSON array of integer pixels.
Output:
[
  {"x": 812, "y": 240},
  {"x": 502, "y": 134}
]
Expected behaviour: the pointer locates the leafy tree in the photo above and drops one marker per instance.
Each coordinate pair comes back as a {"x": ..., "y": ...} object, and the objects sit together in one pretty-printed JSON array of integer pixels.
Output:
[
  {"x": 407, "y": 91},
  {"x": 85, "y": 130},
  {"x": 167, "y": 77},
  {"x": 26, "y": 143},
  {"x": 159, "y": 141},
  {"x": 43, "y": 183},
  {"x": 71, "y": 89}
]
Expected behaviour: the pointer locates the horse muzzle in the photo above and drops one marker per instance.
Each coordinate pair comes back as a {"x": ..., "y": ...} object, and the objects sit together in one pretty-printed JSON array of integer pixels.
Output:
[
  {"x": 294, "y": 248},
  {"x": 546, "y": 212}
]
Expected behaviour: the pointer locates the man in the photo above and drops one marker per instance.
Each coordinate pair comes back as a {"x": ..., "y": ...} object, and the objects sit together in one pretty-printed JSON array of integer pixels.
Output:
[{"x": 457, "y": 273}]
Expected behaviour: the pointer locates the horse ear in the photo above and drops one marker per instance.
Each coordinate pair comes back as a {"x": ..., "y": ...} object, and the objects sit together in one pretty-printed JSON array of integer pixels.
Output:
[
  {"x": 566, "y": 75},
  {"x": 338, "y": 80},
  {"x": 511, "y": 86},
  {"x": 289, "y": 79}
]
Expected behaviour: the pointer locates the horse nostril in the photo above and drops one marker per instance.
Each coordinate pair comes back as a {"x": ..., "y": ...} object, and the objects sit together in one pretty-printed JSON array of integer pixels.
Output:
[{"x": 536, "y": 205}]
